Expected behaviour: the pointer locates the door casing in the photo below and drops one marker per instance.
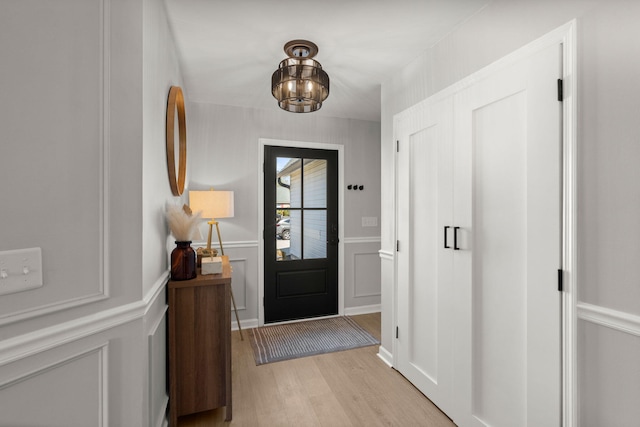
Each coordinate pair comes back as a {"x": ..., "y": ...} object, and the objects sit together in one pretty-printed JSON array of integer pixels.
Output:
[{"x": 262, "y": 142}]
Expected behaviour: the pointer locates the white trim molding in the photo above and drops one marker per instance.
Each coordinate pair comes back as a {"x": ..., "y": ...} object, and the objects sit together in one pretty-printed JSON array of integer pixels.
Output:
[
  {"x": 356, "y": 240},
  {"x": 53, "y": 336},
  {"x": 240, "y": 244},
  {"x": 614, "y": 319},
  {"x": 245, "y": 323},
  {"x": 105, "y": 135},
  {"x": 386, "y": 255},
  {"x": 363, "y": 309},
  {"x": 385, "y": 356},
  {"x": 568, "y": 36}
]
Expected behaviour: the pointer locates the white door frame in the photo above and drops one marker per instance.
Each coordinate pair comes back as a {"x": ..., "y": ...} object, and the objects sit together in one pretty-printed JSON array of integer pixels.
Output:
[
  {"x": 565, "y": 35},
  {"x": 262, "y": 142}
]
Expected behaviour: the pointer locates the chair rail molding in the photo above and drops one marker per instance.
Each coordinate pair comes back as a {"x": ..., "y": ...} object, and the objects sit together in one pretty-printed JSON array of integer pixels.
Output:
[
  {"x": 614, "y": 319},
  {"x": 356, "y": 240},
  {"x": 386, "y": 255},
  {"x": 41, "y": 340}
]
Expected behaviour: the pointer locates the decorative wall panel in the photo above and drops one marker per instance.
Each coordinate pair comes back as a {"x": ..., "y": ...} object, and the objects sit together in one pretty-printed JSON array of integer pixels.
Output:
[
  {"x": 60, "y": 199},
  {"x": 78, "y": 383}
]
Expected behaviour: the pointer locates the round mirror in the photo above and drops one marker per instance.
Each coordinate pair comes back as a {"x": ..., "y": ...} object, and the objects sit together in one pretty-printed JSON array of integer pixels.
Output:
[{"x": 175, "y": 107}]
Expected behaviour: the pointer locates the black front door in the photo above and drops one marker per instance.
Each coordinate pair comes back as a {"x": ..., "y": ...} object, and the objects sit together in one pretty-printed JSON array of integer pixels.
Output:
[{"x": 301, "y": 233}]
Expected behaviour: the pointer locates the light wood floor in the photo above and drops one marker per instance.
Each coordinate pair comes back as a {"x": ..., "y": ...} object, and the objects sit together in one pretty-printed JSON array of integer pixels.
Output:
[{"x": 348, "y": 388}]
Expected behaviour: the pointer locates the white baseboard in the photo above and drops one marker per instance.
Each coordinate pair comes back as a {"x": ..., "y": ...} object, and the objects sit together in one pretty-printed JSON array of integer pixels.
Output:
[
  {"x": 385, "y": 356},
  {"x": 349, "y": 311},
  {"x": 363, "y": 309},
  {"x": 246, "y": 324}
]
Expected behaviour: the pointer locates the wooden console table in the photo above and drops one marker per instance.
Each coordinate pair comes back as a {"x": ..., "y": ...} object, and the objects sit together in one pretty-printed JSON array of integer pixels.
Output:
[{"x": 200, "y": 344}]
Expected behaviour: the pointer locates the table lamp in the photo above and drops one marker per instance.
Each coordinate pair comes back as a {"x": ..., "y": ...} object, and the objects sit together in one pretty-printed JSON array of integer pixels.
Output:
[{"x": 212, "y": 205}]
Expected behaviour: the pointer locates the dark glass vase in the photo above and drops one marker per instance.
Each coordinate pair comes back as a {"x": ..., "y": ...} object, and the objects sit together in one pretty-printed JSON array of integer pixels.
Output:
[{"x": 183, "y": 262}]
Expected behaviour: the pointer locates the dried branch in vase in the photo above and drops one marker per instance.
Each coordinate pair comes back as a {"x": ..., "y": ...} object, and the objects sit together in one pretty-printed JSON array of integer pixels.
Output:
[{"x": 182, "y": 224}]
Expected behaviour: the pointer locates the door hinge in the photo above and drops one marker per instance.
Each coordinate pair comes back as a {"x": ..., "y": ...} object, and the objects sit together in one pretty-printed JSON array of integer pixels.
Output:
[
  {"x": 560, "y": 280},
  {"x": 397, "y": 245},
  {"x": 397, "y": 332},
  {"x": 560, "y": 90},
  {"x": 397, "y": 146}
]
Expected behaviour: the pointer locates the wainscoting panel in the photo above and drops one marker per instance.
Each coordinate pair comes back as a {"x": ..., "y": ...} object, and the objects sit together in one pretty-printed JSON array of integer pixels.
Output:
[
  {"x": 61, "y": 376},
  {"x": 158, "y": 381},
  {"x": 366, "y": 277},
  {"x": 361, "y": 273},
  {"x": 77, "y": 383},
  {"x": 609, "y": 377},
  {"x": 244, "y": 282},
  {"x": 239, "y": 282}
]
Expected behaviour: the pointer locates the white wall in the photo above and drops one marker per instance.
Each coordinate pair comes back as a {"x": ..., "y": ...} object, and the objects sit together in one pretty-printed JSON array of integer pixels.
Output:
[
  {"x": 161, "y": 70},
  {"x": 223, "y": 153},
  {"x": 80, "y": 77},
  {"x": 609, "y": 194}
]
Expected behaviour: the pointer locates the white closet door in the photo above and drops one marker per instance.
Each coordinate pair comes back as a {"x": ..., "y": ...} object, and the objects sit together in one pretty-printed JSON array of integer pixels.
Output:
[
  {"x": 507, "y": 202},
  {"x": 425, "y": 294}
]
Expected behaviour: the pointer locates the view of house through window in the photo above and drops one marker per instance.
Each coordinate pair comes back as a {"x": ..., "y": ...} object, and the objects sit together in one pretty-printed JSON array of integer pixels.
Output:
[{"x": 301, "y": 208}]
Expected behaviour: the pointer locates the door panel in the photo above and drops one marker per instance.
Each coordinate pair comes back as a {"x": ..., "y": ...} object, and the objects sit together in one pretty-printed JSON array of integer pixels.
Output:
[
  {"x": 499, "y": 261},
  {"x": 301, "y": 233},
  {"x": 507, "y": 203},
  {"x": 425, "y": 344}
]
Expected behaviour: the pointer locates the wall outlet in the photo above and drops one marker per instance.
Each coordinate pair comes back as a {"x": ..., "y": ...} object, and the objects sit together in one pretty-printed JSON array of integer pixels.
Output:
[
  {"x": 20, "y": 270},
  {"x": 369, "y": 221}
]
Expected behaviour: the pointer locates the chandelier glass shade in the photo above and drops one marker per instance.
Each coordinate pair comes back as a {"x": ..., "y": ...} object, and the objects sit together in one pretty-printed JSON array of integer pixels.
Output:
[{"x": 300, "y": 84}]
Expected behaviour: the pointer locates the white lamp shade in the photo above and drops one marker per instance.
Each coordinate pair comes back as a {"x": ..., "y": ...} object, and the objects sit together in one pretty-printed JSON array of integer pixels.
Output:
[{"x": 212, "y": 204}]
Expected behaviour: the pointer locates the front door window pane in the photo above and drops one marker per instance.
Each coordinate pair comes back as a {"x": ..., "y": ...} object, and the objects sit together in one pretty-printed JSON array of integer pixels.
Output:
[
  {"x": 315, "y": 183},
  {"x": 295, "y": 243},
  {"x": 315, "y": 234},
  {"x": 288, "y": 182}
]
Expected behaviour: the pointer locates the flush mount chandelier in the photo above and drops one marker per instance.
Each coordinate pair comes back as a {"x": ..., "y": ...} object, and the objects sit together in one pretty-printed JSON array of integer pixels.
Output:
[{"x": 299, "y": 84}]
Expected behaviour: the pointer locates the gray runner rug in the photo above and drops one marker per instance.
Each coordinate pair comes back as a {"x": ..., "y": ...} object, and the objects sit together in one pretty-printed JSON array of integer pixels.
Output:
[{"x": 307, "y": 338}]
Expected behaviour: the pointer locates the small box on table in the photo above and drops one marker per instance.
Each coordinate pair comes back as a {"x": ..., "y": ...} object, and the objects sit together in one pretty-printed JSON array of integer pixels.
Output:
[{"x": 211, "y": 265}]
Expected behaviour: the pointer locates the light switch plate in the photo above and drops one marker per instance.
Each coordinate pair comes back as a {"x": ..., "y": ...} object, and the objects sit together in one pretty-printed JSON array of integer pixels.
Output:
[
  {"x": 20, "y": 270},
  {"x": 369, "y": 221}
]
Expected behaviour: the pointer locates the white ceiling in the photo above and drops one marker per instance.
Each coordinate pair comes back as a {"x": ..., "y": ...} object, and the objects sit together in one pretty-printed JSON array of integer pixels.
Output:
[{"x": 228, "y": 49}]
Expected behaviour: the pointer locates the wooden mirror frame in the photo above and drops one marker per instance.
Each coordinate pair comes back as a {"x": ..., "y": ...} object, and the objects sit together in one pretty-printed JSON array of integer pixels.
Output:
[{"x": 176, "y": 101}]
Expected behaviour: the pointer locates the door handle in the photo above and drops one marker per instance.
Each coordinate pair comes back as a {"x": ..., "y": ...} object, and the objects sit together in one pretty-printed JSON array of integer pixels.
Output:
[
  {"x": 455, "y": 238},
  {"x": 446, "y": 227}
]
